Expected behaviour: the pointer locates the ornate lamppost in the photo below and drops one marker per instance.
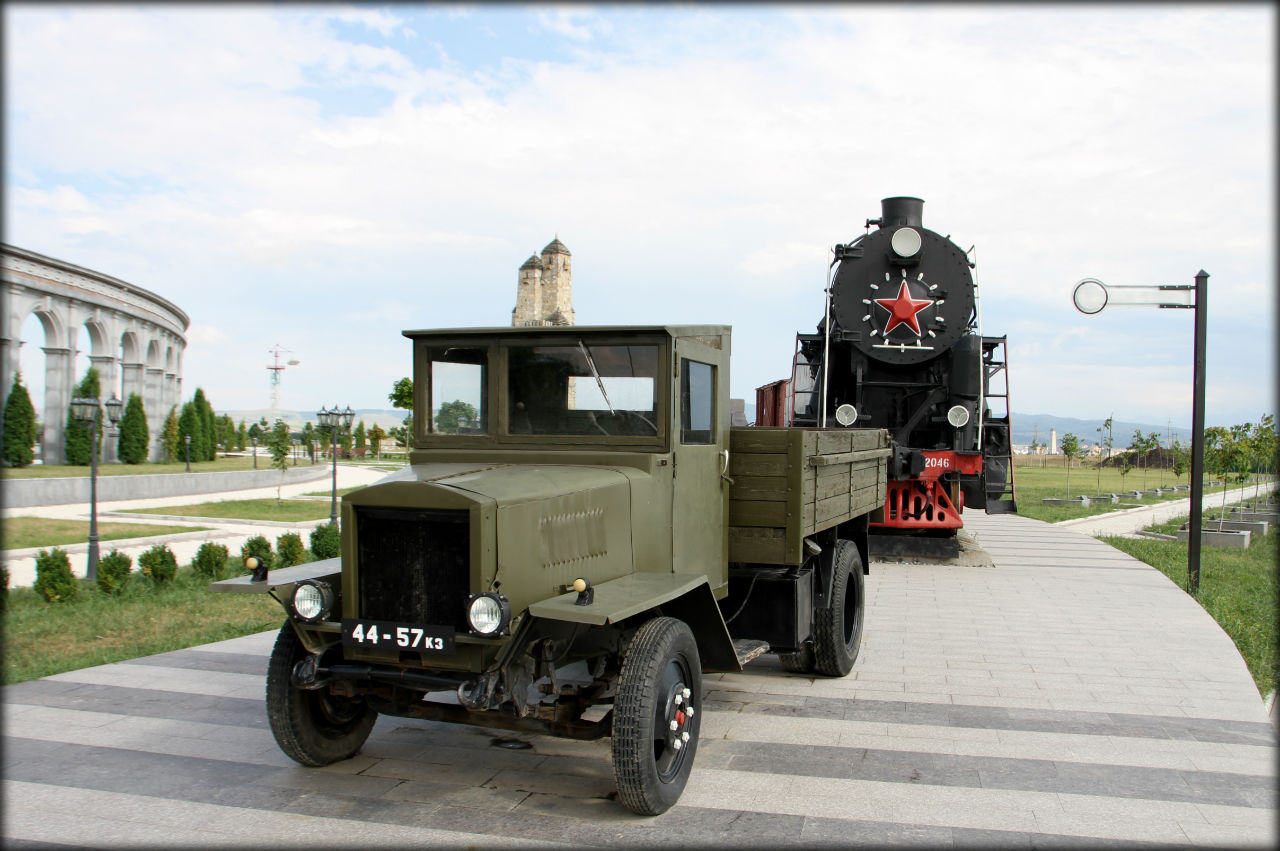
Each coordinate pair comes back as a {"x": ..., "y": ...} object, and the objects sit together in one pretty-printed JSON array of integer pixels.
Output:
[
  {"x": 85, "y": 409},
  {"x": 333, "y": 420},
  {"x": 186, "y": 438}
]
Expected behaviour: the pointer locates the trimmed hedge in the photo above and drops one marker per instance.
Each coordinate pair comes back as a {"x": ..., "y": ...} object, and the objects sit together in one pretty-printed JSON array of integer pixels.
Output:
[
  {"x": 159, "y": 563},
  {"x": 290, "y": 550},
  {"x": 260, "y": 548},
  {"x": 326, "y": 541},
  {"x": 211, "y": 560},
  {"x": 54, "y": 579},
  {"x": 113, "y": 572}
]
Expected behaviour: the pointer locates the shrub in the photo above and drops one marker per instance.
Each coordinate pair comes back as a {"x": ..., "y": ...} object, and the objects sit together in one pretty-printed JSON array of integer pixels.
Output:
[
  {"x": 20, "y": 429},
  {"x": 159, "y": 563},
  {"x": 326, "y": 541},
  {"x": 210, "y": 560},
  {"x": 113, "y": 572},
  {"x": 258, "y": 547},
  {"x": 290, "y": 550},
  {"x": 54, "y": 579}
]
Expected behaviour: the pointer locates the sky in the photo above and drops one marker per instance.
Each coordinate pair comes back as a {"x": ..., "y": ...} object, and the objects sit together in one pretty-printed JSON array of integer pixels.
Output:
[{"x": 323, "y": 177}]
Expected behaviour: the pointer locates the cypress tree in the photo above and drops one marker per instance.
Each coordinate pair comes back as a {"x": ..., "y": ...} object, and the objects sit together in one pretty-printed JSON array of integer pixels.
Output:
[
  {"x": 242, "y": 437},
  {"x": 134, "y": 435},
  {"x": 170, "y": 437},
  {"x": 20, "y": 429},
  {"x": 77, "y": 433},
  {"x": 190, "y": 423},
  {"x": 205, "y": 450}
]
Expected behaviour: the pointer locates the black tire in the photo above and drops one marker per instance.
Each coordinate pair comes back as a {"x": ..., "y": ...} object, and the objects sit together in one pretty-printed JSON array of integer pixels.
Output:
[
  {"x": 800, "y": 662},
  {"x": 312, "y": 727},
  {"x": 660, "y": 684},
  {"x": 837, "y": 628}
]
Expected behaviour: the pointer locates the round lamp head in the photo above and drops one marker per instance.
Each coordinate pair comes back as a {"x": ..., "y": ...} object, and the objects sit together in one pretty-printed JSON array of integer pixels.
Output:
[
  {"x": 905, "y": 242},
  {"x": 846, "y": 415},
  {"x": 1089, "y": 296}
]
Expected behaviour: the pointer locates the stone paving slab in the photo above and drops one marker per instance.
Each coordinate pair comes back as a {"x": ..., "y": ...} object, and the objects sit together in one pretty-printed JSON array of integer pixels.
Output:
[{"x": 1060, "y": 694}]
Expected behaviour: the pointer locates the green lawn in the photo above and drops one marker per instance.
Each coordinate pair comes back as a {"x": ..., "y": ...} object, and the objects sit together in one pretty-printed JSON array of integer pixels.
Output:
[
  {"x": 1237, "y": 587},
  {"x": 287, "y": 511},
  {"x": 94, "y": 628},
  {"x": 1037, "y": 483},
  {"x": 22, "y": 532}
]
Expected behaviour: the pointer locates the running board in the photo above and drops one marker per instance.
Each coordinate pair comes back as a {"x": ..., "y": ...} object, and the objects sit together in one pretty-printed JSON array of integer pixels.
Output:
[{"x": 749, "y": 648}]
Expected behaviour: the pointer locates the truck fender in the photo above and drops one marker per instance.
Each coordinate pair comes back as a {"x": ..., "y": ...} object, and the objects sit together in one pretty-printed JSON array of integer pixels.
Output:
[{"x": 682, "y": 596}]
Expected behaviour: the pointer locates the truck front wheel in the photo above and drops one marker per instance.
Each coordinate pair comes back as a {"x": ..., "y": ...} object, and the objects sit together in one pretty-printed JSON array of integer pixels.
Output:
[
  {"x": 837, "y": 629},
  {"x": 312, "y": 727},
  {"x": 656, "y": 716}
]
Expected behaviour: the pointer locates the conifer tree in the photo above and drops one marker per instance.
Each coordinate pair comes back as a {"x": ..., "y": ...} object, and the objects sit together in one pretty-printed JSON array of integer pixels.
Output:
[
  {"x": 190, "y": 423},
  {"x": 242, "y": 437},
  {"x": 205, "y": 450},
  {"x": 77, "y": 445},
  {"x": 170, "y": 436},
  {"x": 134, "y": 436},
  {"x": 20, "y": 429},
  {"x": 358, "y": 437}
]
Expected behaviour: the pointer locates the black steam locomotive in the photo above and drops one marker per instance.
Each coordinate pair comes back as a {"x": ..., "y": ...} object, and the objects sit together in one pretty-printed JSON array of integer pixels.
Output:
[{"x": 900, "y": 347}]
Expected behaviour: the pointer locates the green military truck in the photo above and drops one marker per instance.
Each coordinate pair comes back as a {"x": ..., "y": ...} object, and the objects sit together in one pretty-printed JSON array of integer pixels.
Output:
[{"x": 579, "y": 534}]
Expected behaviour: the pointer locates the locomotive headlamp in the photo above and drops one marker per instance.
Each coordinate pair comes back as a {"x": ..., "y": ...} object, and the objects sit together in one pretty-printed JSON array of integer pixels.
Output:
[
  {"x": 312, "y": 600},
  {"x": 1090, "y": 296},
  {"x": 958, "y": 416},
  {"x": 905, "y": 242},
  {"x": 846, "y": 415},
  {"x": 488, "y": 613}
]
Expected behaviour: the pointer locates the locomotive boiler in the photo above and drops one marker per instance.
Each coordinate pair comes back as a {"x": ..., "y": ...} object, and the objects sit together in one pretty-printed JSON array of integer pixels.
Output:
[{"x": 900, "y": 347}]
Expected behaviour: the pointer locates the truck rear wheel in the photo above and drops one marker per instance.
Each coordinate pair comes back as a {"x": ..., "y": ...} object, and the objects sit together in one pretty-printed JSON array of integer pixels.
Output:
[
  {"x": 837, "y": 629},
  {"x": 656, "y": 716},
  {"x": 312, "y": 727}
]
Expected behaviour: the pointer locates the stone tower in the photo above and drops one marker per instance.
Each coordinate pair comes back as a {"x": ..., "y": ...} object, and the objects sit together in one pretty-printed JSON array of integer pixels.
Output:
[{"x": 544, "y": 292}]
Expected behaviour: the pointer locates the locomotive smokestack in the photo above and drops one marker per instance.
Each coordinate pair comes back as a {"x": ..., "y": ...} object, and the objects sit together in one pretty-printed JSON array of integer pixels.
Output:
[{"x": 902, "y": 210}]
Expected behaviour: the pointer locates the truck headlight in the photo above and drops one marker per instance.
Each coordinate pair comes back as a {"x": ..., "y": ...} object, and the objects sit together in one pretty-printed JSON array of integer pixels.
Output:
[
  {"x": 488, "y": 613},
  {"x": 312, "y": 600}
]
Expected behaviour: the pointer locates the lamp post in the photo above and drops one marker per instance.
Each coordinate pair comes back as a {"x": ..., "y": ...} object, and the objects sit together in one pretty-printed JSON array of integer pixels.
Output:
[
  {"x": 85, "y": 409},
  {"x": 186, "y": 438},
  {"x": 1091, "y": 296},
  {"x": 254, "y": 440},
  {"x": 333, "y": 420}
]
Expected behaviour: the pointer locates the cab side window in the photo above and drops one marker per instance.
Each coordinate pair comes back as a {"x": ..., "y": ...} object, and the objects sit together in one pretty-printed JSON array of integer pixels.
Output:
[{"x": 697, "y": 402}]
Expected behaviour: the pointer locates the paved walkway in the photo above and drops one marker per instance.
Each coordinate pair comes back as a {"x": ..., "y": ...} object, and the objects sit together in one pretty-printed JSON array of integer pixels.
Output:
[
  {"x": 230, "y": 533},
  {"x": 1066, "y": 694}
]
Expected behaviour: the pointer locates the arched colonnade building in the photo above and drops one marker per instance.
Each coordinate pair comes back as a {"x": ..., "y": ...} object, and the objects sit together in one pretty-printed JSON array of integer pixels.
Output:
[{"x": 136, "y": 341}]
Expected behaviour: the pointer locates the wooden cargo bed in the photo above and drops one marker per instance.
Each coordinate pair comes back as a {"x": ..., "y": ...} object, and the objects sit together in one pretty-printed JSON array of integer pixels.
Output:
[{"x": 793, "y": 482}]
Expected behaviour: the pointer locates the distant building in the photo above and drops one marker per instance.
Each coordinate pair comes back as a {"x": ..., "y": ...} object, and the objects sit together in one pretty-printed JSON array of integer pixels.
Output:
[{"x": 544, "y": 292}]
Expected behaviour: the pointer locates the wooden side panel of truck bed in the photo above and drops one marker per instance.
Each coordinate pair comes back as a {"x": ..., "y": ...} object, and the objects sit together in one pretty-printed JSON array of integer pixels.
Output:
[{"x": 792, "y": 482}]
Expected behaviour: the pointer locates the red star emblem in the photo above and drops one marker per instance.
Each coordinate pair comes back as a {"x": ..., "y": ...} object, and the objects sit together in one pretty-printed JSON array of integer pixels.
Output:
[{"x": 903, "y": 309}]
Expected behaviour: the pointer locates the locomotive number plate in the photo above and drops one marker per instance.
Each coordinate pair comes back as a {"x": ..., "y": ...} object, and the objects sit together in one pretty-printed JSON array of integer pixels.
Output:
[{"x": 400, "y": 636}]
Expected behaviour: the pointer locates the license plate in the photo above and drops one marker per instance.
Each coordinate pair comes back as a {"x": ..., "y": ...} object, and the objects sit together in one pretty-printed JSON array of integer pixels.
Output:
[{"x": 400, "y": 636}]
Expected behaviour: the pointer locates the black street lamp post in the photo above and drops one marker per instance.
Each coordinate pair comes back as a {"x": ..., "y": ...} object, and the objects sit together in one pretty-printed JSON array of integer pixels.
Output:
[
  {"x": 85, "y": 409},
  {"x": 1091, "y": 296},
  {"x": 186, "y": 438},
  {"x": 333, "y": 420}
]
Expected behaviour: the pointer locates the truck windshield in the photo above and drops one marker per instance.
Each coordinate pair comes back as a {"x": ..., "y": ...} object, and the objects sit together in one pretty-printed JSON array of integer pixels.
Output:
[{"x": 583, "y": 389}]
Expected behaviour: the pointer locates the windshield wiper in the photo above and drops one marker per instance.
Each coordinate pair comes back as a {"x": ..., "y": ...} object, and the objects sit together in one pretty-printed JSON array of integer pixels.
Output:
[{"x": 599, "y": 381}]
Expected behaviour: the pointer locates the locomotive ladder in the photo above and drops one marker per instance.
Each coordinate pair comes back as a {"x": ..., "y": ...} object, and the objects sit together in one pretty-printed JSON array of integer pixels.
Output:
[{"x": 997, "y": 437}]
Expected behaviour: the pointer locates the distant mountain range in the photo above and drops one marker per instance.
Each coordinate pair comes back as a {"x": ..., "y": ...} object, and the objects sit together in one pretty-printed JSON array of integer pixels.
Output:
[{"x": 1026, "y": 427}]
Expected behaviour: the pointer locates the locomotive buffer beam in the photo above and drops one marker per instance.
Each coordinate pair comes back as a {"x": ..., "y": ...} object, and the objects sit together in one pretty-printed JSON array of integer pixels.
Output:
[{"x": 913, "y": 546}]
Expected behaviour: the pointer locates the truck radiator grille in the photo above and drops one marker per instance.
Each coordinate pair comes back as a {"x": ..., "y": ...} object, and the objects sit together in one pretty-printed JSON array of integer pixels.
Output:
[{"x": 414, "y": 565}]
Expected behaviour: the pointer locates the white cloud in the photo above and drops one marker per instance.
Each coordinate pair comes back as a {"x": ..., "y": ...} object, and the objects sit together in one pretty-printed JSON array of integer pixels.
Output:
[{"x": 699, "y": 162}]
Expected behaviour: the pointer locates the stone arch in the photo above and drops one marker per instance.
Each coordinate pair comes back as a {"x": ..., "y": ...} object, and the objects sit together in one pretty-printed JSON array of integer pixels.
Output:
[{"x": 118, "y": 317}]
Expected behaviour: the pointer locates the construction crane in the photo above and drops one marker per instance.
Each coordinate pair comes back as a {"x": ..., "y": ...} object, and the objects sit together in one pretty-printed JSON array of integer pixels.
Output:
[{"x": 276, "y": 368}]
